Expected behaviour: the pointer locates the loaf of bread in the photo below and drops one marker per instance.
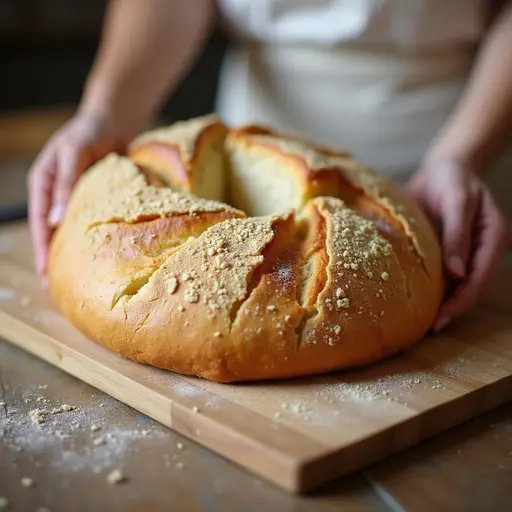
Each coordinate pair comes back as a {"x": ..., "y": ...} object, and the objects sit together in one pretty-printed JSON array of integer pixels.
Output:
[{"x": 243, "y": 255}]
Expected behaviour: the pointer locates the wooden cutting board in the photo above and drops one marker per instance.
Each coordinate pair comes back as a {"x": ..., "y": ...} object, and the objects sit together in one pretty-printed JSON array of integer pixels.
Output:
[{"x": 299, "y": 433}]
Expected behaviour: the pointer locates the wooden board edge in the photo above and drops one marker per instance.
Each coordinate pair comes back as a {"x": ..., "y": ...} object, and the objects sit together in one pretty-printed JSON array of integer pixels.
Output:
[
  {"x": 275, "y": 467},
  {"x": 278, "y": 468},
  {"x": 323, "y": 470},
  {"x": 293, "y": 475}
]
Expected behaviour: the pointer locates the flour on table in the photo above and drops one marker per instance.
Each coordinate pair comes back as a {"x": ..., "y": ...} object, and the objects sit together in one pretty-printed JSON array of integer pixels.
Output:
[{"x": 38, "y": 431}]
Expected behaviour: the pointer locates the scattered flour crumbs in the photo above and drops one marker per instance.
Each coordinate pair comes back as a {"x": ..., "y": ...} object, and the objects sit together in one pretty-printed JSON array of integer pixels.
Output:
[
  {"x": 330, "y": 401},
  {"x": 48, "y": 425}
]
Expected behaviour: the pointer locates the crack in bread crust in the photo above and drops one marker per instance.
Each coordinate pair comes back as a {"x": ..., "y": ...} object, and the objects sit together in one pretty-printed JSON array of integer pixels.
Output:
[
  {"x": 167, "y": 250},
  {"x": 119, "y": 220},
  {"x": 312, "y": 282},
  {"x": 253, "y": 280},
  {"x": 134, "y": 286},
  {"x": 383, "y": 212}
]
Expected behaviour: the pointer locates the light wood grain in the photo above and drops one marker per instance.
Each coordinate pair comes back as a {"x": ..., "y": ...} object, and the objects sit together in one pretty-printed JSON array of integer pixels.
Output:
[
  {"x": 345, "y": 421},
  {"x": 165, "y": 471}
]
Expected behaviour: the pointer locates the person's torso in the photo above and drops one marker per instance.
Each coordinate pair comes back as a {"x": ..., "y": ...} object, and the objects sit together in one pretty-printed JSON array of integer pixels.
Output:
[
  {"x": 407, "y": 23},
  {"x": 379, "y": 77}
]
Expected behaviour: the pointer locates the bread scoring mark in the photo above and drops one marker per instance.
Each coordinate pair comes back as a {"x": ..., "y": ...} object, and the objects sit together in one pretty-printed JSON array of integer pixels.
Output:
[
  {"x": 335, "y": 174},
  {"x": 353, "y": 247},
  {"x": 119, "y": 220},
  {"x": 273, "y": 257},
  {"x": 134, "y": 286},
  {"x": 167, "y": 250},
  {"x": 253, "y": 280},
  {"x": 128, "y": 198},
  {"x": 312, "y": 280},
  {"x": 155, "y": 217}
]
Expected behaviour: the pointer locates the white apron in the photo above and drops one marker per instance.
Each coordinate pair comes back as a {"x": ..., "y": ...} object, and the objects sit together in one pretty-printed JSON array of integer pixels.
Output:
[{"x": 379, "y": 77}]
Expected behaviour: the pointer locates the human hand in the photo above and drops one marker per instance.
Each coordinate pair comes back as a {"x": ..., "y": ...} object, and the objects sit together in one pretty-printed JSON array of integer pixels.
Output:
[
  {"x": 474, "y": 233},
  {"x": 82, "y": 141}
]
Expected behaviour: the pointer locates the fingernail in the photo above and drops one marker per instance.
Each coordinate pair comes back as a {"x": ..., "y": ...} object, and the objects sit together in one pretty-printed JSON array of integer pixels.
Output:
[
  {"x": 457, "y": 266},
  {"x": 56, "y": 214},
  {"x": 441, "y": 324}
]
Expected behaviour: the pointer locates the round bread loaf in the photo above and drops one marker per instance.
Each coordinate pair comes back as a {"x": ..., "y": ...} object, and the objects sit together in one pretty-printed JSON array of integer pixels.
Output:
[{"x": 313, "y": 263}]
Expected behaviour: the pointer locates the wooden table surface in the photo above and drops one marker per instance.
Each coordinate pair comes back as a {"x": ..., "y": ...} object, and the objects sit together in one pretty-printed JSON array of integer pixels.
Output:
[{"x": 466, "y": 469}]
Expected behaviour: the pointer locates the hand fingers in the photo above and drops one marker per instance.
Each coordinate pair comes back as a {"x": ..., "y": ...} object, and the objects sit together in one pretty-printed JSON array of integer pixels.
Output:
[
  {"x": 40, "y": 183},
  {"x": 458, "y": 212},
  {"x": 491, "y": 243},
  {"x": 415, "y": 185},
  {"x": 71, "y": 161}
]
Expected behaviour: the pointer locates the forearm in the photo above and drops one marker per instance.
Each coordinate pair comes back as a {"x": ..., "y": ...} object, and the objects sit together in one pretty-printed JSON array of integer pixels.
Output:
[
  {"x": 146, "y": 48},
  {"x": 483, "y": 118}
]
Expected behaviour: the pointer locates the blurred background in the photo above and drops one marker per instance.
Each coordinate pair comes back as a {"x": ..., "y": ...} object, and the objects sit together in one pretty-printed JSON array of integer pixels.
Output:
[{"x": 46, "y": 50}]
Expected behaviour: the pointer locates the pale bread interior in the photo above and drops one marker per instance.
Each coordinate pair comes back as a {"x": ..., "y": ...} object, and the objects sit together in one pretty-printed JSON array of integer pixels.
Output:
[
  {"x": 258, "y": 185},
  {"x": 210, "y": 176}
]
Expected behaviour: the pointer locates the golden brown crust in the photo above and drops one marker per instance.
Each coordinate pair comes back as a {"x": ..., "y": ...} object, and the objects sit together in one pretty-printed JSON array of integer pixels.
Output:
[
  {"x": 350, "y": 273},
  {"x": 187, "y": 155}
]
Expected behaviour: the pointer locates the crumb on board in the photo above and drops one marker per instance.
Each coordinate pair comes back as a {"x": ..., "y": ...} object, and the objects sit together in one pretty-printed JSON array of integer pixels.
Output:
[
  {"x": 94, "y": 428},
  {"x": 42, "y": 386},
  {"x": 27, "y": 482},
  {"x": 180, "y": 465},
  {"x": 62, "y": 408},
  {"x": 115, "y": 477},
  {"x": 97, "y": 441},
  {"x": 195, "y": 409},
  {"x": 179, "y": 446},
  {"x": 296, "y": 407},
  {"x": 37, "y": 416}
]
